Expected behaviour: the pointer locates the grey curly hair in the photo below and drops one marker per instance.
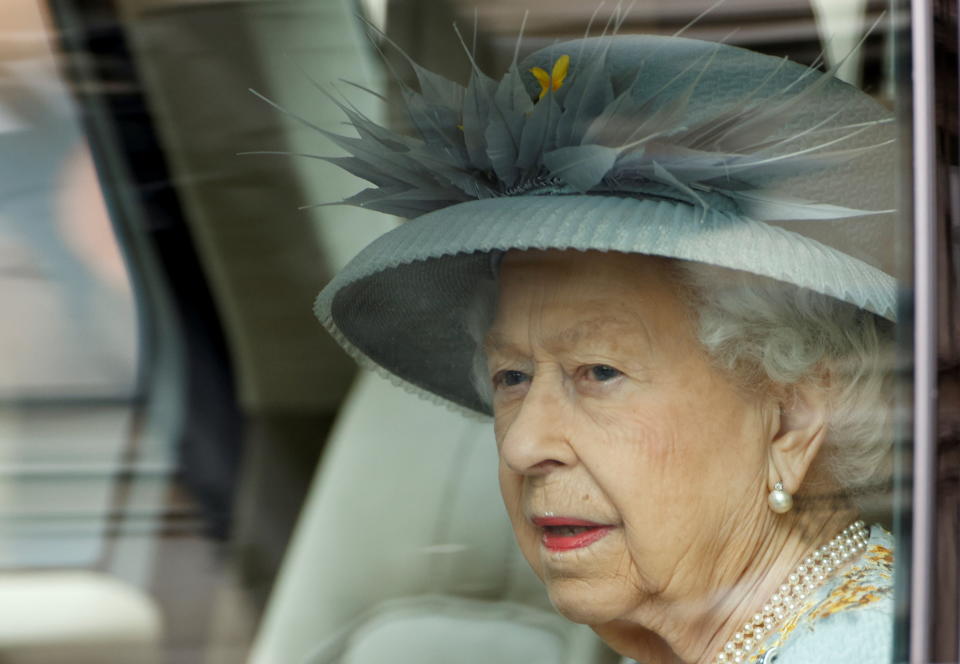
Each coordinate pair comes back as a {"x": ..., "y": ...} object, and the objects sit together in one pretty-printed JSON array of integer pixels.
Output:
[{"x": 764, "y": 333}]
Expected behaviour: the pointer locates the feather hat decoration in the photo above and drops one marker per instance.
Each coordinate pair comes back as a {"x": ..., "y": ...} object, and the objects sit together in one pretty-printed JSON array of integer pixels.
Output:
[
  {"x": 634, "y": 143},
  {"x": 576, "y": 128}
]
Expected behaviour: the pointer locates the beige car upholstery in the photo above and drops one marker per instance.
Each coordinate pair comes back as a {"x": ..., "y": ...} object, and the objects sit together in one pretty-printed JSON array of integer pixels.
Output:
[{"x": 76, "y": 616}]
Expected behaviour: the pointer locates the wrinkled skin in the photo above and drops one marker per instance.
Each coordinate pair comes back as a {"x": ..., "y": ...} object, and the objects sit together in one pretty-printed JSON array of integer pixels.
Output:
[{"x": 608, "y": 409}]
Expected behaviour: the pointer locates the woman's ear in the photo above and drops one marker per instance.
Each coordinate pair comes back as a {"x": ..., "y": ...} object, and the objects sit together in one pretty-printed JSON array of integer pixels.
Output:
[{"x": 802, "y": 429}]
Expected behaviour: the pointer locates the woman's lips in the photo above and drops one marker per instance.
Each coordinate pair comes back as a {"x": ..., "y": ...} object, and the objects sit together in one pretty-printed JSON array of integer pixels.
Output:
[{"x": 565, "y": 533}]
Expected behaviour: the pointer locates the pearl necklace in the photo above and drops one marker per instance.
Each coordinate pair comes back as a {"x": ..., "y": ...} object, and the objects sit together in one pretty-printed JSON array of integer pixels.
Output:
[{"x": 810, "y": 573}]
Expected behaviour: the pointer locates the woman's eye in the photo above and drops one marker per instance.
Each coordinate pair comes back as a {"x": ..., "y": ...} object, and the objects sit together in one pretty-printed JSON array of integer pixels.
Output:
[
  {"x": 509, "y": 378},
  {"x": 603, "y": 372}
]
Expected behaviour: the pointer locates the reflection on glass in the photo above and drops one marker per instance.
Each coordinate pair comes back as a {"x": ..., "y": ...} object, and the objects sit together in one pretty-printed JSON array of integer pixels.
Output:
[
  {"x": 69, "y": 352},
  {"x": 69, "y": 337},
  {"x": 664, "y": 266}
]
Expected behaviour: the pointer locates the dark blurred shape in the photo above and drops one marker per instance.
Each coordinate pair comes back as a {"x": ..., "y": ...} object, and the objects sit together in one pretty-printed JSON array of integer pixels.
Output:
[
  {"x": 107, "y": 87},
  {"x": 946, "y": 608}
]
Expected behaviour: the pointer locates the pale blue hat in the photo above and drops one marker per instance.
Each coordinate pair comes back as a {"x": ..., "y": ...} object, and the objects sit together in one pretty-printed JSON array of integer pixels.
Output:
[{"x": 635, "y": 143}]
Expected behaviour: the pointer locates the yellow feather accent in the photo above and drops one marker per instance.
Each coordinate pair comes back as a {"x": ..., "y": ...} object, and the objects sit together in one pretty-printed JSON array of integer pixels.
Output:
[
  {"x": 543, "y": 78},
  {"x": 560, "y": 69},
  {"x": 553, "y": 80}
]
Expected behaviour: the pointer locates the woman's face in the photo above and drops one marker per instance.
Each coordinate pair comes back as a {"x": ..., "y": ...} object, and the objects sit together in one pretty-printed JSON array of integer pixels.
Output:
[{"x": 628, "y": 464}]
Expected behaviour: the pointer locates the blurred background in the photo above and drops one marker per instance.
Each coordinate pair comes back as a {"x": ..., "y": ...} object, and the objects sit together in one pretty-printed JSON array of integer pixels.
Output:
[{"x": 191, "y": 471}]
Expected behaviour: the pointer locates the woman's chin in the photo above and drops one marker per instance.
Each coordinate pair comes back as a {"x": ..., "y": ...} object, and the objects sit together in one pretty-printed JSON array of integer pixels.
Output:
[{"x": 580, "y": 601}]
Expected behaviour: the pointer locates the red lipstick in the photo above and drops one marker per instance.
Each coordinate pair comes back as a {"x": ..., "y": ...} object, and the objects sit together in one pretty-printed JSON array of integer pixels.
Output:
[{"x": 562, "y": 533}]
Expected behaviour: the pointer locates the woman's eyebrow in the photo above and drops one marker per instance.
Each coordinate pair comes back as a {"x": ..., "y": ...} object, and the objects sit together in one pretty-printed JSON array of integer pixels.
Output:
[{"x": 497, "y": 342}]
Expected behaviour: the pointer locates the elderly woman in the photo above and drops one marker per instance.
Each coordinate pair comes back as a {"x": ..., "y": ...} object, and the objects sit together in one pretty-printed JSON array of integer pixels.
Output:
[{"x": 660, "y": 264}]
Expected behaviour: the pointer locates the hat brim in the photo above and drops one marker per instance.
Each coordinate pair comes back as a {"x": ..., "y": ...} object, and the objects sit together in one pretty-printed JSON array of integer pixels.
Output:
[{"x": 403, "y": 302}]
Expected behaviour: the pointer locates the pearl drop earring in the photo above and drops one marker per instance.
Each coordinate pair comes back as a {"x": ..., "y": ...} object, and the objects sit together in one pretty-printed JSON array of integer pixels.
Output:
[{"x": 780, "y": 501}]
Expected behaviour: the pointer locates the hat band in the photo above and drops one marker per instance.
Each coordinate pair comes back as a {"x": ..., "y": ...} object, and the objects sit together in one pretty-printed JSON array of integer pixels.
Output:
[{"x": 545, "y": 185}]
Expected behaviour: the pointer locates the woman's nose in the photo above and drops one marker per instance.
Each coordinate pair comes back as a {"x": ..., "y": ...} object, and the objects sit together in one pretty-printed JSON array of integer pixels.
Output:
[{"x": 537, "y": 439}]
